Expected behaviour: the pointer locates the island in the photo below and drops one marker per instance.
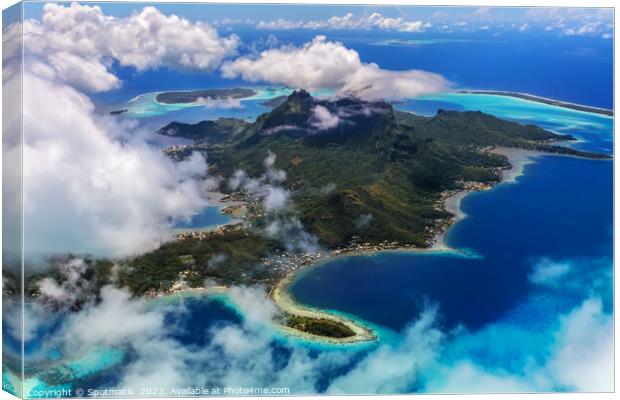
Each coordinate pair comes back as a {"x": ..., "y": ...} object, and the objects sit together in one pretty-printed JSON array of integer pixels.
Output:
[
  {"x": 212, "y": 132},
  {"x": 544, "y": 100},
  {"x": 360, "y": 177},
  {"x": 274, "y": 102},
  {"x": 191, "y": 96}
]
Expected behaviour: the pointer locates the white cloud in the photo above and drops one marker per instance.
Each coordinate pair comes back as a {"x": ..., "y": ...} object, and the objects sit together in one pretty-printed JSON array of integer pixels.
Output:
[
  {"x": 589, "y": 28},
  {"x": 580, "y": 356},
  {"x": 573, "y": 275},
  {"x": 270, "y": 160},
  {"x": 74, "y": 44},
  {"x": 258, "y": 310},
  {"x": 97, "y": 325},
  {"x": 393, "y": 368},
  {"x": 583, "y": 356},
  {"x": 549, "y": 272},
  {"x": 71, "y": 287},
  {"x": 93, "y": 185},
  {"x": 323, "y": 119},
  {"x": 325, "y": 64},
  {"x": 157, "y": 359},
  {"x": 281, "y": 222},
  {"x": 349, "y": 21},
  {"x": 572, "y": 21},
  {"x": 467, "y": 377},
  {"x": 224, "y": 104},
  {"x": 290, "y": 231},
  {"x": 280, "y": 24},
  {"x": 276, "y": 198},
  {"x": 82, "y": 73}
]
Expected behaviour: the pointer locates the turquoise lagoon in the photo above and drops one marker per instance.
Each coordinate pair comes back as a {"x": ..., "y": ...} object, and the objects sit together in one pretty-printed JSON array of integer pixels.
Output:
[
  {"x": 594, "y": 130},
  {"x": 208, "y": 217},
  {"x": 154, "y": 114}
]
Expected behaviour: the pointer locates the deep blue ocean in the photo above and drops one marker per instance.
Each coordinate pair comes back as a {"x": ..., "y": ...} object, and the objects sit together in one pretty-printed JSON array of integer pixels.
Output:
[
  {"x": 560, "y": 209},
  {"x": 510, "y": 227}
]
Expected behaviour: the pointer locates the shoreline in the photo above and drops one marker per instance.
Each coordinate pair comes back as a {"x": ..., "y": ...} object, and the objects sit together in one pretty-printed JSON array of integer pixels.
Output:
[
  {"x": 284, "y": 301},
  {"x": 280, "y": 291},
  {"x": 216, "y": 199},
  {"x": 518, "y": 159},
  {"x": 544, "y": 100}
]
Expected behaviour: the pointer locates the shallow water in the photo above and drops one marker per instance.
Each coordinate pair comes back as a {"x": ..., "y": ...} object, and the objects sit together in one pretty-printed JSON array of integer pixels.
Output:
[
  {"x": 208, "y": 217},
  {"x": 595, "y": 130}
]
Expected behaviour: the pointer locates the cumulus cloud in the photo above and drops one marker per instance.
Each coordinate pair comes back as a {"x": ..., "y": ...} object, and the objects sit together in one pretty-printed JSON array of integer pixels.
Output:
[
  {"x": 263, "y": 185},
  {"x": 580, "y": 356},
  {"x": 574, "y": 351},
  {"x": 394, "y": 368},
  {"x": 258, "y": 309},
  {"x": 547, "y": 271},
  {"x": 291, "y": 232},
  {"x": 91, "y": 184},
  {"x": 467, "y": 377},
  {"x": 572, "y": 21},
  {"x": 323, "y": 119},
  {"x": 74, "y": 44},
  {"x": 589, "y": 28},
  {"x": 323, "y": 64},
  {"x": 71, "y": 287},
  {"x": 156, "y": 357},
  {"x": 275, "y": 198},
  {"x": 95, "y": 326},
  {"x": 349, "y": 21},
  {"x": 281, "y": 221},
  {"x": 224, "y": 104},
  {"x": 583, "y": 353},
  {"x": 573, "y": 275},
  {"x": 497, "y": 20},
  {"x": 280, "y": 23}
]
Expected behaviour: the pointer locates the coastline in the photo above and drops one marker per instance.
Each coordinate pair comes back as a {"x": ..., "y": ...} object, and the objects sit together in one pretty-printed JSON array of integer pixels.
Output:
[
  {"x": 518, "y": 159},
  {"x": 544, "y": 100},
  {"x": 285, "y": 304},
  {"x": 280, "y": 291},
  {"x": 283, "y": 300},
  {"x": 233, "y": 209},
  {"x": 218, "y": 199}
]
